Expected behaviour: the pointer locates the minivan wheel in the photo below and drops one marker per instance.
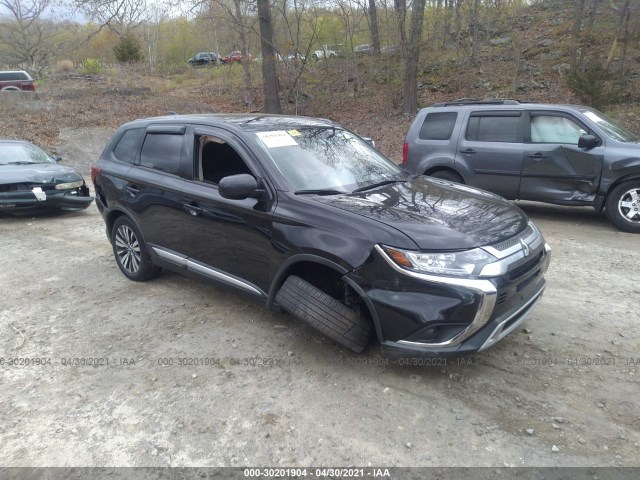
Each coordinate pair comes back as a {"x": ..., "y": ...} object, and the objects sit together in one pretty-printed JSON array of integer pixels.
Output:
[
  {"x": 131, "y": 252},
  {"x": 447, "y": 175},
  {"x": 324, "y": 313},
  {"x": 623, "y": 206}
]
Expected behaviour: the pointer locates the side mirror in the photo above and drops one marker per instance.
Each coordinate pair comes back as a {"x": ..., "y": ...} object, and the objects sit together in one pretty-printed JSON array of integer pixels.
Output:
[
  {"x": 239, "y": 187},
  {"x": 369, "y": 140},
  {"x": 587, "y": 142},
  {"x": 56, "y": 158}
]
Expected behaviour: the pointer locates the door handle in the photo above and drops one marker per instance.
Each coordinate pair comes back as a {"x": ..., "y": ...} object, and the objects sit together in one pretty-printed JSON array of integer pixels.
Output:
[
  {"x": 468, "y": 151},
  {"x": 132, "y": 190},
  {"x": 192, "y": 209},
  {"x": 537, "y": 156}
]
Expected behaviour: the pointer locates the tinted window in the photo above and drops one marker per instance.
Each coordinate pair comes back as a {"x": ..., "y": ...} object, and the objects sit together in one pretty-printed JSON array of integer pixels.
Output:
[
  {"x": 438, "y": 126},
  {"x": 162, "y": 151},
  {"x": 5, "y": 76},
  {"x": 555, "y": 129},
  {"x": 127, "y": 146},
  {"x": 493, "y": 129}
]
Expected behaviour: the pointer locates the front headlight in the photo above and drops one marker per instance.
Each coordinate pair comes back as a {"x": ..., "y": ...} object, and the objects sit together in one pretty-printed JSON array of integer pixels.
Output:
[
  {"x": 468, "y": 263},
  {"x": 70, "y": 185}
]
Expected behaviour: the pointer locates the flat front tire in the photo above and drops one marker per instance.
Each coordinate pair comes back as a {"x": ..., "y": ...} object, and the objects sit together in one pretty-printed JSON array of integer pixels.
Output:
[
  {"x": 131, "y": 252},
  {"x": 623, "y": 206},
  {"x": 325, "y": 314}
]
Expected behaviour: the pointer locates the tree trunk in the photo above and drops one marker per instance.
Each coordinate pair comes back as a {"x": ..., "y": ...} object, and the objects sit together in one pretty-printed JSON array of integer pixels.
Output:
[
  {"x": 410, "y": 80},
  {"x": 624, "y": 20},
  {"x": 593, "y": 11},
  {"x": 269, "y": 72},
  {"x": 247, "y": 98},
  {"x": 375, "y": 34},
  {"x": 400, "y": 7},
  {"x": 577, "y": 22}
]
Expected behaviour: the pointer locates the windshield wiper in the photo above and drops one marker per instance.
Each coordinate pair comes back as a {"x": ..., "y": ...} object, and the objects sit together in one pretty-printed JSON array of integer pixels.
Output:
[
  {"x": 20, "y": 163},
  {"x": 319, "y": 191},
  {"x": 379, "y": 184}
]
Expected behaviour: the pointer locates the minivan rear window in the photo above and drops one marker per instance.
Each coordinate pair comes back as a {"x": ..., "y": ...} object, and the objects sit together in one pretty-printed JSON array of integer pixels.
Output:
[{"x": 438, "y": 126}]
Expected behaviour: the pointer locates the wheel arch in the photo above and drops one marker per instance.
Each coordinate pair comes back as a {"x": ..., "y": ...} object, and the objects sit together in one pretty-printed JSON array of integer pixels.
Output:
[
  {"x": 297, "y": 264},
  {"x": 601, "y": 204}
]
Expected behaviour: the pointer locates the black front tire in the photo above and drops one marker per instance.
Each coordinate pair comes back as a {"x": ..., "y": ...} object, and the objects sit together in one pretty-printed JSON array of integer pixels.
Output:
[
  {"x": 623, "y": 206},
  {"x": 447, "y": 175},
  {"x": 131, "y": 251},
  {"x": 324, "y": 313}
]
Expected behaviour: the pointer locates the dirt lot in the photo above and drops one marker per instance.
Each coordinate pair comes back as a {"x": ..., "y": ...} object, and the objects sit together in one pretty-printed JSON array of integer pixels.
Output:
[{"x": 272, "y": 392}]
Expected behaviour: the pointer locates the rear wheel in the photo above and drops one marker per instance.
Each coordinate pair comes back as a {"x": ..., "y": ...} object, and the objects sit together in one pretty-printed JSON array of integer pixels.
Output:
[
  {"x": 344, "y": 325},
  {"x": 623, "y": 206},
  {"x": 131, "y": 252},
  {"x": 447, "y": 175}
]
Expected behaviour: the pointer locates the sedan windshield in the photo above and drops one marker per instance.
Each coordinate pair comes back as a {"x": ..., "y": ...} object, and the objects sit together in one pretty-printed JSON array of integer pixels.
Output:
[
  {"x": 22, "y": 154},
  {"x": 612, "y": 129},
  {"x": 327, "y": 160}
]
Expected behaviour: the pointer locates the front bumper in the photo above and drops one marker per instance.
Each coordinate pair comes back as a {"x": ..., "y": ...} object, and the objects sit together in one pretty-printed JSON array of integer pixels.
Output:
[
  {"x": 26, "y": 201},
  {"x": 425, "y": 315}
]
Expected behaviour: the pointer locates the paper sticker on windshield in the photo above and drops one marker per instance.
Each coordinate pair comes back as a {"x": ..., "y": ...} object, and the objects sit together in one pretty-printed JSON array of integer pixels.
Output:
[
  {"x": 294, "y": 133},
  {"x": 276, "y": 138}
]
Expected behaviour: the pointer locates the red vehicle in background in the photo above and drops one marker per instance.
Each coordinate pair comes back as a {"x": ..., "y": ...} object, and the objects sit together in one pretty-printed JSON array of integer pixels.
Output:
[
  {"x": 236, "y": 56},
  {"x": 16, "y": 80}
]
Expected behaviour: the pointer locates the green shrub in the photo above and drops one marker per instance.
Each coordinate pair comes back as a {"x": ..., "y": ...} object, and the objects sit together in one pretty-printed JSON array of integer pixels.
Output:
[
  {"x": 91, "y": 66},
  {"x": 128, "y": 49},
  {"x": 593, "y": 85}
]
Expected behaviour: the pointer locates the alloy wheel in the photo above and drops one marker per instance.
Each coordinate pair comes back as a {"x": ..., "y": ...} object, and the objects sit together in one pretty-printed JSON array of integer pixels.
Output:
[{"x": 128, "y": 249}]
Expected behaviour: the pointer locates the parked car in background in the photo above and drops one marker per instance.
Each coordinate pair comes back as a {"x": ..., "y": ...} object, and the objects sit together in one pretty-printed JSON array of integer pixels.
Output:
[
  {"x": 364, "y": 49},
  {"x": 236, "y": 56},
  {"x": 390, "y": 50},
  {"x": 308, "y": 217},
  {"x": 205, "y": 58},
  {"x": 16, "y": 80},
  {"x": 296, "y": 57},
  {"x": 561, "y": 154},
  {"x": 32, "y": 181},
  {"x": 327, "y": 51}
]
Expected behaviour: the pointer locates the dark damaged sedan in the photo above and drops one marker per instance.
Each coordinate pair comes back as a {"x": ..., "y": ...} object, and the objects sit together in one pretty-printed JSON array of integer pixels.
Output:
[
  {"x": 31, "y": 181},
  {"x": 308, "y": 217}
]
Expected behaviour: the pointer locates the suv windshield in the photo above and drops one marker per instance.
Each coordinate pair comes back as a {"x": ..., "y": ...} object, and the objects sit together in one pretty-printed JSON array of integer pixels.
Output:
[
  {"x": 612, "y": 129},
  {"x": 327, "y": 159},
  {"x": 21, "y": 154}
]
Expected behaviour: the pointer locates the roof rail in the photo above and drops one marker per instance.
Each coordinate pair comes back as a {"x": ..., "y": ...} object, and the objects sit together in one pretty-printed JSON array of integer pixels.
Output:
[{"x": 475, "y": 101}]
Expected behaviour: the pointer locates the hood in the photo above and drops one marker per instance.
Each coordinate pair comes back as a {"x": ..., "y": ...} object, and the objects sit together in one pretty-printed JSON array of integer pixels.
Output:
[
  {"x": 37, "y": 173},
  {"x": 435, "y": 214}
]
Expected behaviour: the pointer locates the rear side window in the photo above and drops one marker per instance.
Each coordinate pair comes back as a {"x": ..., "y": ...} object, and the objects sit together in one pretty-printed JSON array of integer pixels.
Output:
[
  {"x": 127, "y": 147},
  {"x": 494, "y": 128},
  {"x": 162, "y": 151},
  {"x": 438, "y": 126},
  {"x": 7, "y": 76}
]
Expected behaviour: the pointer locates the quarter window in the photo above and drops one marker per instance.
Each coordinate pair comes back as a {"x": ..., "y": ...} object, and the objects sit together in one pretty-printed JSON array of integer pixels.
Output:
[
  {"x": 127, "y": 147},
  {"x": 438, "y": 126},
  {"x": 162, "y": 151},
  {"x": 493, "y": 128},
  {"x": 555, "y": 129}
]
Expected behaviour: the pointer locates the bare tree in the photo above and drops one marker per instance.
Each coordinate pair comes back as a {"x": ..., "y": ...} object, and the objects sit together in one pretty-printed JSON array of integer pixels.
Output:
[
  {"x": 269, "y": 72},
  {"x": 26, "y": 35},
  {"x": 116, "y": 15},
  {"x": 410, "y": 77},
  {"x": 373, "y": 26}
]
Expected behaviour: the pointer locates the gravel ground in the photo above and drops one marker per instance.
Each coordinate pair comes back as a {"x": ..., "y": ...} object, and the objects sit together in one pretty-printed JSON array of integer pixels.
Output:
[{"x": 562, "y": 390}]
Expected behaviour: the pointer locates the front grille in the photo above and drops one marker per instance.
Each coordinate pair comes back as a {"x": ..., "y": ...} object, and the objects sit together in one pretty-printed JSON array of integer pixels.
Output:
[
  {"x": 521, "y": 267},
  {"x": 22, "y": 187},
  {"x": 514, "y": 240}
]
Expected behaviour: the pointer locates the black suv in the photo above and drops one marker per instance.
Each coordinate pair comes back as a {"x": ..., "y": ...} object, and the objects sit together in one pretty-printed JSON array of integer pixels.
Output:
[
  {"x": 205, "y": 58},
  {"x": 561, "y": 154},
  {"x": 311, "y": 218}
]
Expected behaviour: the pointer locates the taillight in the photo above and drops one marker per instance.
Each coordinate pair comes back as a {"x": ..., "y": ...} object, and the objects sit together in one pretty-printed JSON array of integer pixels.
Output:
[
  {"x": 29, "y": 87},
  {"x": 95, "y": 171},
  {"x": 405, "y": 152}
]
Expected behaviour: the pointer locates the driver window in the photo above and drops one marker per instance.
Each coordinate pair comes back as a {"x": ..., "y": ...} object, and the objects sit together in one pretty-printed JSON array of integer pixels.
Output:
[
  {"x": 555, "y": 129},
  {"x": 216, "y": 159}
]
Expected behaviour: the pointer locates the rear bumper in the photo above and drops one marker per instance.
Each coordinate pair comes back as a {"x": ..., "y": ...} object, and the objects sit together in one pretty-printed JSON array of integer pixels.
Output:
[{"x": 27, "y": 202}]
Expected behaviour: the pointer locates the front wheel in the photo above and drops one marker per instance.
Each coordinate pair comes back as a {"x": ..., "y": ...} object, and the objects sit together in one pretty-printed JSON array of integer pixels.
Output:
[
  {"x": 131, "y": 252},
  {"x": 623, "y": 206}
]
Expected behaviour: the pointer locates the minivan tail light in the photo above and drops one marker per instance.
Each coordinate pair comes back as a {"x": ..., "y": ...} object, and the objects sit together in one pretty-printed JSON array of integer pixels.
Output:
[
  {"x": 95, "y": 171},
  {"x": 29, "y": 87},
  {"x": 405, "y": 152}
]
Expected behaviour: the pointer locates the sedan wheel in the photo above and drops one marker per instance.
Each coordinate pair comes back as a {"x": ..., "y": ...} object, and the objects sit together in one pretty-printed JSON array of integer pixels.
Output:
[
  {"x": 623, "y": 206},
  {"x": 131, "y": 252}
]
